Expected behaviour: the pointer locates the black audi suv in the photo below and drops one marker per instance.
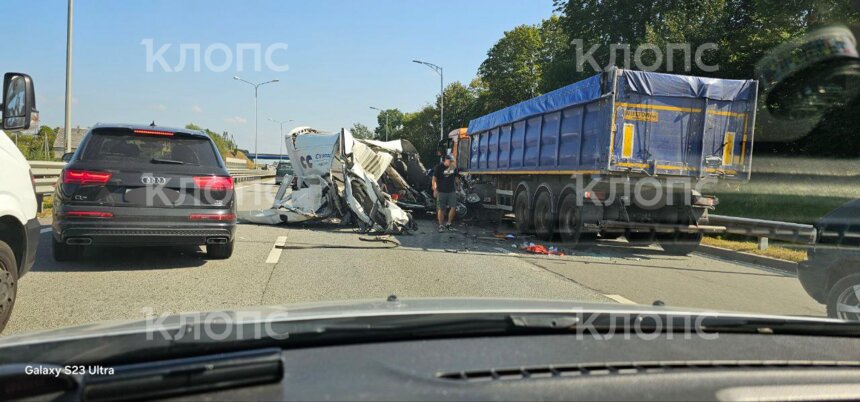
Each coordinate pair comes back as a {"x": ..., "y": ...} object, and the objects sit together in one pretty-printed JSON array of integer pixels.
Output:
[{"x": 130, "y": 185}]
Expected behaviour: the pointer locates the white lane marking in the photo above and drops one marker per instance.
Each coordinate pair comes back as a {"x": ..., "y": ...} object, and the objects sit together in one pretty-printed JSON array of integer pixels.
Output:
[
  {"x": 46, "y": 230},
  {"x": 275, "y": 254},
  {"x": 621, "y": 299}
]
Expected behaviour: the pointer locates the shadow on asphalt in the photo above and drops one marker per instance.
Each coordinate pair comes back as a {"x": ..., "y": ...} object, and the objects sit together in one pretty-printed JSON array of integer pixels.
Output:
[
  {"x": 473, "y": 237},
  {"x": 119, "y": 258},
  {"x": 470, "y": 236}
]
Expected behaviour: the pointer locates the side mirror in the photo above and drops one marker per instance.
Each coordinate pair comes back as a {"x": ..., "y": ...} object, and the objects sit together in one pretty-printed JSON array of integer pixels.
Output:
[
  {"x": 67, "y": 157},
  {"x": 19, "y": 102}
]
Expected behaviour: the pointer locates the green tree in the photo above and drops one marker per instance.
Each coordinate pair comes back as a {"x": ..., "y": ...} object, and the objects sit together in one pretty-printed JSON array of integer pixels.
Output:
[
  {"x": 224, "y": 141},
  {"x": 422, "y": 130},
  {"x": 743, "y": 31},
  {"x": 359, "y": 130},
  {"x": 512, "y": 71},
  {"x": 394, "y": 124},
  {"x": 38, "y": 146},
  {"x": 524, "y": 63},
  {"x": 461, "y": 106}
]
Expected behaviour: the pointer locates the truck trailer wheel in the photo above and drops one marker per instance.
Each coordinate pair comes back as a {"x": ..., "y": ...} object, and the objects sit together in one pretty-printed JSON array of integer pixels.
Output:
[
  {"x": 680, "y": 243},
  {"x": 522, "y": 213},
  {"x": 544, "y": 220},
  {"x": 570, "y": 220},
  {"x": 843, "y": 299}
]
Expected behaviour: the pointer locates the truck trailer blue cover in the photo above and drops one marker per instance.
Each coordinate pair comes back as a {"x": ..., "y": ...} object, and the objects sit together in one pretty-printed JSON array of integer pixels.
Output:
[{"x": 621, "y": 121}]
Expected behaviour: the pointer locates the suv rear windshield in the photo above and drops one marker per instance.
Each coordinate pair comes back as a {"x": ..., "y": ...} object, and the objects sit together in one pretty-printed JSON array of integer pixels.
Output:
[
  {"x": 126, "y": 146},
  {"x": 284, "y": 168}
]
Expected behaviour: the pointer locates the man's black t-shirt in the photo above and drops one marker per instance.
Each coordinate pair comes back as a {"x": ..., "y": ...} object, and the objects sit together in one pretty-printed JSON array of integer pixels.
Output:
[{"x": 445, "y": 178}]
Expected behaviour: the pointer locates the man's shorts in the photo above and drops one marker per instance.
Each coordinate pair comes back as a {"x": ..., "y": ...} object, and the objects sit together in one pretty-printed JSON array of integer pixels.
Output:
[{"x": 446, "y": 201}]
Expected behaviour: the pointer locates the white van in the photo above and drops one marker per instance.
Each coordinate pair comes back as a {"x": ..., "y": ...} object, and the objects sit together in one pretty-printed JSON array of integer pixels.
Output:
[{"x": 19, "y": 228}]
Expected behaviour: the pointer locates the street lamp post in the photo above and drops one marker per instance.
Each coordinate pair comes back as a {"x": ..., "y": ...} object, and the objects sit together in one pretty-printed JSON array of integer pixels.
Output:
[
  {"x": 67, "y": 120},
  {"x": 256, "y": 90},
  {"x": 439, "y": 71},
  {"x": 281, "y": 140},
  {"x": 386, "y": 120}
]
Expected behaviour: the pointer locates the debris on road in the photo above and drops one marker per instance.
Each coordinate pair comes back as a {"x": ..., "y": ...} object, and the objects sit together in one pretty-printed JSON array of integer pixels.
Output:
[
  {"x": 541, "y": 249},
  {"x": 338, "y": 177}
]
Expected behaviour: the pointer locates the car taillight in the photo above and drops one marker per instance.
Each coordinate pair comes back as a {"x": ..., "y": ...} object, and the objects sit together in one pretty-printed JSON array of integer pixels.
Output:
[
  {"x": 88, "y": 214},
  {"x": 212, "y": 217},
  {"x": 85, "y": 177},
  {"x": 214, "y": 183},
  {"x": 154, "y": 132}
]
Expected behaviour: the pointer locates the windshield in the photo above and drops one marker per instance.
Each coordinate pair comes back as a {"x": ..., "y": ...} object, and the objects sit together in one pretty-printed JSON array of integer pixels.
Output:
[
  {"x": 127, "y": 147},
  {"x": 685, "y": 154},
  {"x": 284, "y": 168}
]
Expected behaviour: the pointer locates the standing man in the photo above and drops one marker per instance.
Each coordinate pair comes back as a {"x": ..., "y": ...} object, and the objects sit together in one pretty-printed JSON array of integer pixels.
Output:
[{"x": 445, "y": 183}]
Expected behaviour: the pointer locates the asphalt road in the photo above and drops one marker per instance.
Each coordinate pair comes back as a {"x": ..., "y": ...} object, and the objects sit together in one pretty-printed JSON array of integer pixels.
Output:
[{"x": 325, "y": 262}]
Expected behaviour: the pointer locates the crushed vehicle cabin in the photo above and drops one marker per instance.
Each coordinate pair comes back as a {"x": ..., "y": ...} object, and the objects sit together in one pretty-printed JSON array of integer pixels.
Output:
[{"x": 337, "y": 176}]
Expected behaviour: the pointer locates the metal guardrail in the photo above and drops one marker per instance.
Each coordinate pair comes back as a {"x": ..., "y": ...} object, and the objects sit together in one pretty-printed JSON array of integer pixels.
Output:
[
  {"x": 47, "y": 173},
  {"x": 764, "y": 230}
]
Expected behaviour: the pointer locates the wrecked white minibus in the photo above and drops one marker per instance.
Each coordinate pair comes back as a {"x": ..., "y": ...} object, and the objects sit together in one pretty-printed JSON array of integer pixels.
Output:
[{"x": 337, "y": 177}]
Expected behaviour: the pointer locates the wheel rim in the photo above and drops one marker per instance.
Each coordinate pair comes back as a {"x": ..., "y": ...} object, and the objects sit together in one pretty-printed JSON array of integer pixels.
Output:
[
  {"x": 848, "y": 304},
  {"x": 7, "y": 289}
]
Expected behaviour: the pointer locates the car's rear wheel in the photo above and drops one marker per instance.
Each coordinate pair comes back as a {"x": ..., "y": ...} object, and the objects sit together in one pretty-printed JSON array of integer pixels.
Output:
[
  {"x": 219, "y": 251},
  {"x": 843, "y": 300},
  {"x": 8, "y": 283},
  {"x": 64, "y": 252}
]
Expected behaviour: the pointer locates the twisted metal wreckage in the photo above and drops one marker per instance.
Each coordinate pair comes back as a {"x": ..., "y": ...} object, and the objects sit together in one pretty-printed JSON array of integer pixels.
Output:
[{"x": 338, "y": 176}]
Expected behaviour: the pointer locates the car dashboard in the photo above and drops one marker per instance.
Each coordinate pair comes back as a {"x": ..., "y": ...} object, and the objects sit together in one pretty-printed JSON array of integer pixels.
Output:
[{"x": 538, "y": 367}]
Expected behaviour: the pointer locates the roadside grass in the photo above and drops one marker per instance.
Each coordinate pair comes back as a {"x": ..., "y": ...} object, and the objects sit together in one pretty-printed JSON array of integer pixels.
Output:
[
  {"x": 795, "y": 208},
  {"x": 774, "y": 251},
  {"x": 47, "y": 206}
]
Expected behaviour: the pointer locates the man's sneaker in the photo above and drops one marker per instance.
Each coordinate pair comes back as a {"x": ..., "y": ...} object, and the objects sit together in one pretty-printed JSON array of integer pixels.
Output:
[
  {"x": 449, "y": 227},
  {"x": 441, "y": 228}
]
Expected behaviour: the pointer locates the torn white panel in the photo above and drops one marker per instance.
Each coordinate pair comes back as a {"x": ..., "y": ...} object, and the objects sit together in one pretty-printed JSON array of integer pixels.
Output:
[{"x": 372, "y": 162}]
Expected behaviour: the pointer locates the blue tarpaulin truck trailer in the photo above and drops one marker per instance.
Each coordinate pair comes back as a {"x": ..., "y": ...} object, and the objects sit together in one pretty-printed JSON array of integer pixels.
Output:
[{"x": 621, "y": 153}]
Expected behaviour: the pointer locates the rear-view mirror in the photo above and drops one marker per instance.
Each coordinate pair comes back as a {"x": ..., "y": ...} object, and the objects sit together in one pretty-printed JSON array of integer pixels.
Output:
[
  {"x": 19, "y": 102},
  {"x": 67, "y": 157}
]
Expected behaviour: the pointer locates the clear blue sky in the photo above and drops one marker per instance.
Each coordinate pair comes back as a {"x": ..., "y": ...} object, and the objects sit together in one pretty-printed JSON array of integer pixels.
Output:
[{"x": 343, "y": 56}]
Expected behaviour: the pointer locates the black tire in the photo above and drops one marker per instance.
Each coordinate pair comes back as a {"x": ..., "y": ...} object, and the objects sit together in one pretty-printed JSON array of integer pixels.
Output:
[
  {"x": 570, "y": 220},
  {"x": 63, "y": 252},
  {"x": 844, "y": 292},
  {"x": 522, "y": 213},
  {"x": 219, "y": 251},
  {"x": 8, "y": 283},
  {"x": 544, "y": 221},
  {"x": 680, "y": 243}
]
